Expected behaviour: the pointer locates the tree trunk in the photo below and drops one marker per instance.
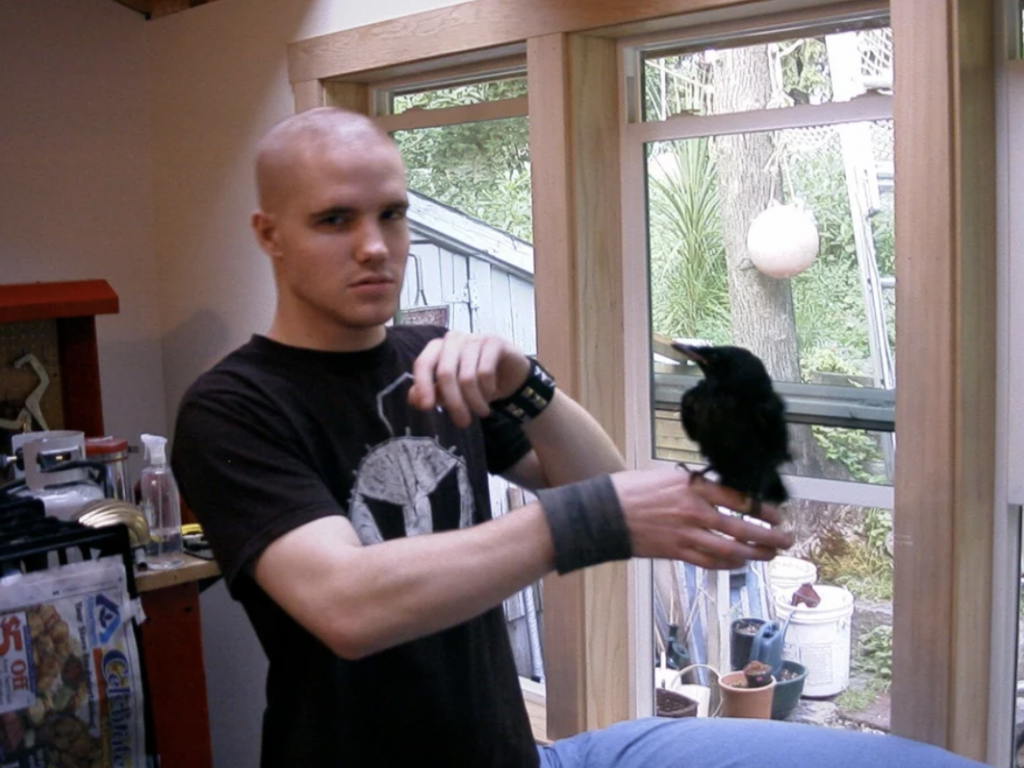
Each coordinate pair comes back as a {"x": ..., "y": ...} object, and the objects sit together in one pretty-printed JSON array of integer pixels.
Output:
[{"x": 762, "y": 315}]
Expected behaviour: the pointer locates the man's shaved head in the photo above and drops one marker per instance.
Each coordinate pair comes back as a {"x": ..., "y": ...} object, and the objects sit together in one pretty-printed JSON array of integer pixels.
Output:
[
  {"x": 308, "y": 136},
  {"x": 332, "y": 218}
]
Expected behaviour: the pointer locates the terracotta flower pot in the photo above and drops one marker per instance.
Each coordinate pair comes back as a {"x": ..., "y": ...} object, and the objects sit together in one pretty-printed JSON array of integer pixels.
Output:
[{"x": 740, "y": 701}]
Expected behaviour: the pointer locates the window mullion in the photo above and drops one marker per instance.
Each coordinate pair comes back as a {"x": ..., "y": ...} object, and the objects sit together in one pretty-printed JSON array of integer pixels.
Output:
[
  {"x": 869, "y": 107},
  {"x": 432, "y": 118}
]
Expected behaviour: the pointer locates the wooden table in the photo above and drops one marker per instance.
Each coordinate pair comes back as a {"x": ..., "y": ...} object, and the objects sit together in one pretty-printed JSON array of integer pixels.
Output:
[{"x": 172, "y": 651}]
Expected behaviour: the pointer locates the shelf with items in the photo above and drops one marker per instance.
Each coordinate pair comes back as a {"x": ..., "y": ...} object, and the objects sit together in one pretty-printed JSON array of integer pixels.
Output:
[{"x": 49, "y": 361}]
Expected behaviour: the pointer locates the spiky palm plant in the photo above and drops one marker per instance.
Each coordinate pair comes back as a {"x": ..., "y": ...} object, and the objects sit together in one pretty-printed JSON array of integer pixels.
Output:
[{"x": 689, "y": 284}]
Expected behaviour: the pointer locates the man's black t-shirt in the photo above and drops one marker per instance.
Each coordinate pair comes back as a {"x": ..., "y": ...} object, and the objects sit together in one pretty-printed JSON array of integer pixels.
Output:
[{"x": 274, "y": 437}]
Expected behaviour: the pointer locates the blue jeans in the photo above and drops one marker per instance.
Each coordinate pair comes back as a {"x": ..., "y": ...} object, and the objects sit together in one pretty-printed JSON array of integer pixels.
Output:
[{"x": 693, "y": 742}]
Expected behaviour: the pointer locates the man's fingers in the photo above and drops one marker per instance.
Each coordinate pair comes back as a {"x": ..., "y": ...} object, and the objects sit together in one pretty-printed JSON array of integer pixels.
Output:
[
  {"x": 708, "y": 561},
  {"x": 487, "y": 369},
  {"x": 469, "y": 378},
  {"x": 458, "y": 373},
  {"x": 757, "y": 535},
  {"x": 726, "y": 548},
  {"x": 422, "y": 394},
  {"x": 449, "y": 389},
  {"x": 722, "y": 496}
]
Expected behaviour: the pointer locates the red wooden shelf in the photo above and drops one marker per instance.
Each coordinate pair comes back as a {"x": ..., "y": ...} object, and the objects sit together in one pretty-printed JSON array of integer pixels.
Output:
[
  {"x": 50, "y": 301},
  {"x": 73, "y": 306}
]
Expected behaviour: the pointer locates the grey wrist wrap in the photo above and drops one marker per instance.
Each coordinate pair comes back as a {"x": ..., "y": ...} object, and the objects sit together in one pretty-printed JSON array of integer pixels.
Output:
[{"x": 587, "y": 524}]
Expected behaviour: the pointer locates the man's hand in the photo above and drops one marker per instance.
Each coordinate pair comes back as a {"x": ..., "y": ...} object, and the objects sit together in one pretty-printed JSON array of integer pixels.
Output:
[
  {"x": 672, "y": 515},
  {"x": 463, "y": 373}
]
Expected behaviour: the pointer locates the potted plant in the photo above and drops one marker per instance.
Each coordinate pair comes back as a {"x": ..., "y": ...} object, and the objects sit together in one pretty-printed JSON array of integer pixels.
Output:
[
  {"x": 788, "y": 687},
  {"x": 748, "y": 692}
]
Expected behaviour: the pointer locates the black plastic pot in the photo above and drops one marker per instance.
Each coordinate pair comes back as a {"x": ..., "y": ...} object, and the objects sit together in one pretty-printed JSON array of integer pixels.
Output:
[
  {"x": 741, "y": 638},
  {"x": 674, "y": 704},
  {"x": 787, "y": 692}
]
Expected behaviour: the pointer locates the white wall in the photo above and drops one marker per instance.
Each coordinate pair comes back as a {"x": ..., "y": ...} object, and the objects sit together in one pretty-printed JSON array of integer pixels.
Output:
[
  {"x": 218, "y": 81},
  {"x": 76, "y": 182}
]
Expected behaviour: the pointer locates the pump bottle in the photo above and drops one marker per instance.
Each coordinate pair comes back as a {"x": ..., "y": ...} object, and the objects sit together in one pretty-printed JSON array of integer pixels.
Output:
[{"x": 161, "y": 505}]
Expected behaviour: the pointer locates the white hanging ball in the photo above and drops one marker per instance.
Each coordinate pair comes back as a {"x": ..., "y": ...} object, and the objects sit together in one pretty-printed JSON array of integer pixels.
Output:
[{"x": 783, "y": 241}]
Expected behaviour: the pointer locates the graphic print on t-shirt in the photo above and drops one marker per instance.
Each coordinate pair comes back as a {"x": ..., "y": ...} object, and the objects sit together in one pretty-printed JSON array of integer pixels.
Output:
[{"x": 407, "y": 485}]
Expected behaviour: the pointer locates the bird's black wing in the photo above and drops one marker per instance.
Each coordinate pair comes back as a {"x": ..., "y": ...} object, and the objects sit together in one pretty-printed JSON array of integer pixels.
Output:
[
  {"x": 770, "y": 415},
  {"x": 695, "y": 412}
]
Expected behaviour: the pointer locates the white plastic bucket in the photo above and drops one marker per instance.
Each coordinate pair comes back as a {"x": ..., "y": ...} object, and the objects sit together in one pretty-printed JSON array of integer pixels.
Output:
[
  {"x": 819, "y": 638},
  {"x": 787, "y": 574}
]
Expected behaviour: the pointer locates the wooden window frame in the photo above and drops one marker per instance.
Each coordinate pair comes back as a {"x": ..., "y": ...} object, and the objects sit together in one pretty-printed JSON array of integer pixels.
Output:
[
  {"x": 637, "y": 134},
  {"x": 1010, "y": 407},
  {"x": 873, "y": 408},
  {"x": 945, "y": 406},
  {"x": 469, "y": 113}
]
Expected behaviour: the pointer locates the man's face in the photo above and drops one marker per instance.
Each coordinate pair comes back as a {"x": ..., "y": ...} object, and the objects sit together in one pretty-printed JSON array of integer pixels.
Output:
[{"x": 339, "y": 240}]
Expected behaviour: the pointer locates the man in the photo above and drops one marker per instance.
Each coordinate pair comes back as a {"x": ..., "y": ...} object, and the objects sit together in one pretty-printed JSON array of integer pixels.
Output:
[{"x": 339, "y": 469}]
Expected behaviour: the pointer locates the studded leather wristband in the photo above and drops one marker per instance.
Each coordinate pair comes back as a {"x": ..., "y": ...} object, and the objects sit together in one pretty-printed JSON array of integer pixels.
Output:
[{"x": 531, "y": 398}]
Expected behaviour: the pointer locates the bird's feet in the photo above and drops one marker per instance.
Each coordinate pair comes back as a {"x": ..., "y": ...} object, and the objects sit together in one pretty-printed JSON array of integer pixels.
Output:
[
  {"x": 755, "y": 506},
  {"x": 694, "y": 473}
]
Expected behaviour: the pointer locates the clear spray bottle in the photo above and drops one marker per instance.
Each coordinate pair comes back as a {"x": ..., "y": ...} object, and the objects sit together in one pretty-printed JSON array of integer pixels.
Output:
[{"x": 161, "y": 506}]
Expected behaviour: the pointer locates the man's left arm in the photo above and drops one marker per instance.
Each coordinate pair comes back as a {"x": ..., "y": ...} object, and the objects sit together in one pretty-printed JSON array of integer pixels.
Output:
[
  {"x": 568, "y": 445},
  {"x": 465, "y": 373}
]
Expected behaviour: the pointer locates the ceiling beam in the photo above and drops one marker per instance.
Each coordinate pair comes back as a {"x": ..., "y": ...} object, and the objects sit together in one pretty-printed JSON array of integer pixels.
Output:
[
  {"x": 167, "y": 7},
  {"x": 154, "y": 9},
  {"x": 142, "y": 6}
]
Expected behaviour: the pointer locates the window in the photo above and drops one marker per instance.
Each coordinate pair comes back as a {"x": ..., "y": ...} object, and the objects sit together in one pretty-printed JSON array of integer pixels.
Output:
[
  {"x": 724, "y": 195},
  {"x": 827, "y": 334},
  {"x": 760, "y": 184},
  {"x": 701, "y": 79}
]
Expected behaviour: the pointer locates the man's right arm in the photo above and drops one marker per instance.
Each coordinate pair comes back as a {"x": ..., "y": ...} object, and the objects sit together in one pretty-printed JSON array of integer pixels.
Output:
[
  {"x": 359, "y": 600},
  {"x": 362, "y": 599}
]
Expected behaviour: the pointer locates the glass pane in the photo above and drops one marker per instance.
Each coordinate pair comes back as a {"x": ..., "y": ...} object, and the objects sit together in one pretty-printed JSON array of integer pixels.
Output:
[
  {"x": 460, "y": 95},
  {"x": 855, "y": 455},
  {"x": 481, "y": 169},
  {"x": 807, "y": 70},
  {"x": 834, "y": 659},
  {"x": 471, "y": 269},
  {"x": 715, "y": 205}
]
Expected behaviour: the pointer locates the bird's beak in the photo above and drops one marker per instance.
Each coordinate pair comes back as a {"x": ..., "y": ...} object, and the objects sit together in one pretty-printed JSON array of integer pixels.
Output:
[{"x": 689, "y": 352}]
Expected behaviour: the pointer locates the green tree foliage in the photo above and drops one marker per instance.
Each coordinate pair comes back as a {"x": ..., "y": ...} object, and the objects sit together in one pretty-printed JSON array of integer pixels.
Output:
[
  {"x": 805, "y": 73},
  {"x": 482, "y": 168},
  {"x": 677, "y": 85}
]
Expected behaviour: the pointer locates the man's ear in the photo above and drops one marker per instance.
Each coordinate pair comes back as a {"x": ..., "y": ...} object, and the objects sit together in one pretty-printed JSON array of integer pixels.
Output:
[{"x": 265, "y": 228}]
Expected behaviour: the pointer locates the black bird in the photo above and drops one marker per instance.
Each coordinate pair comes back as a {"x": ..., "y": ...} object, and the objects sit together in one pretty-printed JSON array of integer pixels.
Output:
[{"x": 738, "y": 421}]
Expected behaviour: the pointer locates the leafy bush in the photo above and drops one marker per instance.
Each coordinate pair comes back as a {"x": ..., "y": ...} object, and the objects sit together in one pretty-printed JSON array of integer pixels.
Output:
[
  {"x": 861, "y": 562},
  {"x": 874, "y": 654},
  {"x": 689, "y": 284}
]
